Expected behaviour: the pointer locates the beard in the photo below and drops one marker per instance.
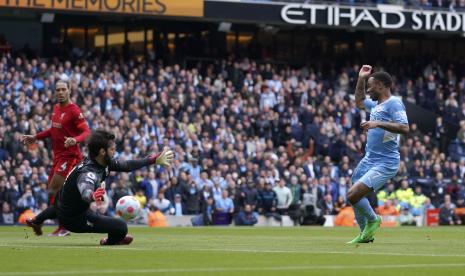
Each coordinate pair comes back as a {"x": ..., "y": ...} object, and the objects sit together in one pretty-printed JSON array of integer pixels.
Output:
[{"x": 107, "y": 159}]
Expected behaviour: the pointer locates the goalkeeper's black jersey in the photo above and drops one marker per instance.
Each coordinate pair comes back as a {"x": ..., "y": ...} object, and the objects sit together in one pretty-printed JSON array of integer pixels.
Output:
[{"x": 75, "y": 196}]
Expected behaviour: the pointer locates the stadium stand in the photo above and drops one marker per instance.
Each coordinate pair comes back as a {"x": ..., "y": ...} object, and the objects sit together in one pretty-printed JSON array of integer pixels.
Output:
[{"x": 236, "y": 125}]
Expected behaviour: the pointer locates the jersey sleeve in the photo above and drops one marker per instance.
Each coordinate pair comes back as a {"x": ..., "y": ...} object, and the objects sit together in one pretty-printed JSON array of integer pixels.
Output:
[
  {"x": 369, "y": 104},
  {"x": 81, "y": 124},
  {"x": 86, "y": 184},
  {"x": 128, "y": 165},
  {"x": 398, "y": 113},
  {"x": 78, "y": 117},
  {"x": 44, "y": 134}
]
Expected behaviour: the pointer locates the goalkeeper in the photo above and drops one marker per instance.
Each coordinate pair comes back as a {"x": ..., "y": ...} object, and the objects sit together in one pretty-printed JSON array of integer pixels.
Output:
[{"x": 82, "y": 187}]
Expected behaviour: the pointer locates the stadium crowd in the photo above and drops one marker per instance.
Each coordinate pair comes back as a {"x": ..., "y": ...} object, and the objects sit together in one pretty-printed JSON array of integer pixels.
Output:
[{"x": 248, "y": 137}]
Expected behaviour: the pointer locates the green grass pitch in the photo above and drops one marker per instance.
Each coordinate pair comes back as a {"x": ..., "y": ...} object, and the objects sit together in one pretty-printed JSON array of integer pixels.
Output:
[{"x": 237, "y": 251}]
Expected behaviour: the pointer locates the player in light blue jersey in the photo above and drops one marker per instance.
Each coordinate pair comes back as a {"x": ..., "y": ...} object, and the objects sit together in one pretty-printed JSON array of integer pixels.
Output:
[{"x": 388, "y": 119}]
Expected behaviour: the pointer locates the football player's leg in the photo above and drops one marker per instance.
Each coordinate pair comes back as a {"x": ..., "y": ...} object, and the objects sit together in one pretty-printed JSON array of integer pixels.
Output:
[
  {"x": 116, "y": 228},
  {"x": 359, "y": 171},
  {"x": 375, "y": 179},
  {"x": 362, "y": 209},
  {"x": 55, "y": 184},
  {"x": 36, "y": 223},
  {"x": 61, "y": 170},
  {"x": 49, "y": 213}
]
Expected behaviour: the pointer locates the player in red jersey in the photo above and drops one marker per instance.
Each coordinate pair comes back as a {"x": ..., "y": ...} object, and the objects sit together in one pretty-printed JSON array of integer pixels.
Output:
[{"x": 69, "y": 128}]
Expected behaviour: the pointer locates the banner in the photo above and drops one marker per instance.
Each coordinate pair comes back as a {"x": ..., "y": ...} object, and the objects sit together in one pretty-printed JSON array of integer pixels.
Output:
[
  {"x": 432, "y": 217},
  {"x": 190, "y": 8},
  {"x": 380, "y": 17}
]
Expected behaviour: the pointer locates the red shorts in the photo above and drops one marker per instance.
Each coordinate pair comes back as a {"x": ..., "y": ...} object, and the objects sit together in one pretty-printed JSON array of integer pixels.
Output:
[{"x": 63, "y": 166}]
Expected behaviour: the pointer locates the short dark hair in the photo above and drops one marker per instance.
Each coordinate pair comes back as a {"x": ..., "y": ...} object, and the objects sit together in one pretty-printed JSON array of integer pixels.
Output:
[
  {"x": 65, "y": 82},
  {"x": 383, "y": 77},
  {"x": 99, "y": 139}
]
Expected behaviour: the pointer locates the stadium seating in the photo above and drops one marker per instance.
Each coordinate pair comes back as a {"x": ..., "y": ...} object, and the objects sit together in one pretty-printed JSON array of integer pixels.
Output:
[{"x": 229, "y": 125}]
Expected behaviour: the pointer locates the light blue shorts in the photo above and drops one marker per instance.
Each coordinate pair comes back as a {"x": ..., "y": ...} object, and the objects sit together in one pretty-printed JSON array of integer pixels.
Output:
[{"x": 374, "y": 174}]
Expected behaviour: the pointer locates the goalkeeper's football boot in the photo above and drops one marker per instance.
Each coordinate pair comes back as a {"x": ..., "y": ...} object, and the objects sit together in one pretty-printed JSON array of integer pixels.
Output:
[
  {"x": 359, "y": 239},
  {"x": 370, "y": 229},
  {"x": 127, "y": 240},
  {"x": 36, "y": 227}
]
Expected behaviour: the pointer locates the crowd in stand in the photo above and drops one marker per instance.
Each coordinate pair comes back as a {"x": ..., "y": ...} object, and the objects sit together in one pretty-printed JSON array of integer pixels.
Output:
[{"x": 248, "y": 137}]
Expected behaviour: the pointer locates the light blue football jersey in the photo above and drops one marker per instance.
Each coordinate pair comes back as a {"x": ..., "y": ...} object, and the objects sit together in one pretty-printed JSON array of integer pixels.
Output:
[{"x": 382, "y": 145}]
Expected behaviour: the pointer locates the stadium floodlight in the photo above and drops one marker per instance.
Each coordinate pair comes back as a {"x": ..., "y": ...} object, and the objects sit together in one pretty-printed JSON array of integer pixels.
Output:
[
  {"x": 224, "y": 27},
  {"x": 47, "y": 18}
]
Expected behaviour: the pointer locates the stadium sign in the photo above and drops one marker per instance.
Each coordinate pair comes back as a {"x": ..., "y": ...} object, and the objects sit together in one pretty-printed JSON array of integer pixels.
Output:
[
  {"x": 380, "y": 17},
  {"x": 190, "y": 8},
  {"x": 383, "y": 17}
]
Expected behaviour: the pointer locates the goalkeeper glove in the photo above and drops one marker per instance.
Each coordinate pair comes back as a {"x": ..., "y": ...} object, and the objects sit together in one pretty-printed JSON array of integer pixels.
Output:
[
  {"x": 98, "y": 194},
  {"x": 164, "y": 158}
]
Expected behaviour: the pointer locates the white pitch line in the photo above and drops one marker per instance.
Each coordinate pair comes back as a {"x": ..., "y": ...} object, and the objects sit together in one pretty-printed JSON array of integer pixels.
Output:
[
  {"x": 330, "y": 252},
  {"x": 237, "y": 250},
  {"x": 227, "y": 269}
]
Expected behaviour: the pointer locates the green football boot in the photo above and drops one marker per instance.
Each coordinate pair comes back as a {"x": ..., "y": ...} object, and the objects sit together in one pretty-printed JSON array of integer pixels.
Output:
[
  {"x": 359, "y": 239},
  {"x": 370, "y": 229}
]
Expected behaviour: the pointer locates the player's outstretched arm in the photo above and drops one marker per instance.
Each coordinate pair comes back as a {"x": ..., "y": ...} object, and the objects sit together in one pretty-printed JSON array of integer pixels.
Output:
[
  {"x": 30, "y": 139},
  {"x": 163, "y": 159},
  {"x": 44, "y": 134},
  {"x": 364, "y": 73}
]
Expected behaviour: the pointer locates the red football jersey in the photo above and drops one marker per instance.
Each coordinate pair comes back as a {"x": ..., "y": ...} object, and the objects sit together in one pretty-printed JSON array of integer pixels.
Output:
[{"x": 67, "y": 121}]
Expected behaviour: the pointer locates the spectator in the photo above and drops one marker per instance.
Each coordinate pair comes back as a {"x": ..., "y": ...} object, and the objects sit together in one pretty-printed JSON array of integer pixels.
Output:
[
  {"x": 404, "y": 194},
  {"x": 140, "y": 196},
  {"x": 345, "y": 217},
  {"x": 427, "y": 206},
  {"x": 7, "y": 216},
  {"x": 178, "y": 206},
  {"x": 156, "y": 218},
  {"x": 191, "y": 197},
  {"x": 386, "y": 194},
  {"x": 387, "y": 209},
  {"x": 27, "y": 200},
  {"x": 163, "y": 205},
  {"x": 171, "y": 189},
  {"x": 447, "y": 215},
  {"x": 328, "y": 207},
  {"x": 267, "y": 200},
  {"x": 224, "y": 208},
  {"x": 41, "y": 194},
  {"x": 406, "y": 218},
  {"x": 224, "y": 205},
  {"x": 340, "y": 204},
  {"x": 246, "y": 217},
  {"x": 250, "y": 195},
  {"x": 284, "y": 197},
  {"x": 417, "y": 201}
]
